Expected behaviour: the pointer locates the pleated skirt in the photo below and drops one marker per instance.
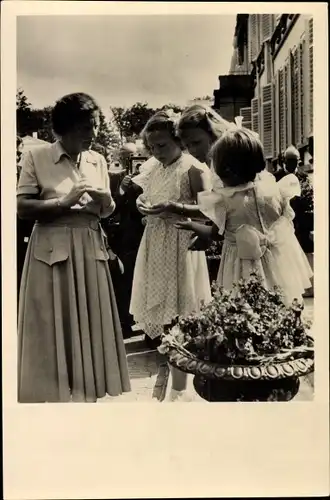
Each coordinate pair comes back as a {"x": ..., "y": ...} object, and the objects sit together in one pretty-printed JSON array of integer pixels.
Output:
[{"x": 70, "y": 344}]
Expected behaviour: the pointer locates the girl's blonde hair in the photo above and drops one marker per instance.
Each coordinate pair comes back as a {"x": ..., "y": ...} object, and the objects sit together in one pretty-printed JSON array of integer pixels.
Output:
[
  {"x": 203, "y": 117},
  {"x": 238, "y": 156},
  {"x": 160, "y": 121}
]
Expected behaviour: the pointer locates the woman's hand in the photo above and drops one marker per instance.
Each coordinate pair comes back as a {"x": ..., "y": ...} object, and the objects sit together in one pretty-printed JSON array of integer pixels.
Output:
[
  {"x": 73, "y": 197},
  {"x": 184, "y": 224},
  {"x": 98, "y": 194}
]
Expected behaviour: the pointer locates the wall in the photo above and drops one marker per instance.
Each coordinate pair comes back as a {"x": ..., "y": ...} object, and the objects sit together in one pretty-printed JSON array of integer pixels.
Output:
[{"x": 292, "y": 39}]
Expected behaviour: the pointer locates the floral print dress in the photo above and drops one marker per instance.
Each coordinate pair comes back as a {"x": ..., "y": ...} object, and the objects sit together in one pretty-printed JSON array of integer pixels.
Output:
[{"x": 169, "y": 279}]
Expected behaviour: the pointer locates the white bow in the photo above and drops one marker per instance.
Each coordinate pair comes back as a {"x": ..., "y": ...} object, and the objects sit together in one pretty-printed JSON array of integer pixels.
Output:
[
  {"x": 173, "y": 117},
  {"x": 238, "y": 121}
]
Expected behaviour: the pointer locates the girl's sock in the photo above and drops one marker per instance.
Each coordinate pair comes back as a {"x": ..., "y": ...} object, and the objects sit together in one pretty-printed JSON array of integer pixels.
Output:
[{"x": 179, "y": 396}]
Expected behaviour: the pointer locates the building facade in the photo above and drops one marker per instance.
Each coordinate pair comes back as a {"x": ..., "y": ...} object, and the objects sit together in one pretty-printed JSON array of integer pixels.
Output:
[{"x": 277, "y": 51}]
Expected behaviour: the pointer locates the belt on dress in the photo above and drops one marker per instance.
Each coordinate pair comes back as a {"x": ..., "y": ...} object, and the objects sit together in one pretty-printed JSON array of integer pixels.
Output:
[{"x": 92, "y": 222}]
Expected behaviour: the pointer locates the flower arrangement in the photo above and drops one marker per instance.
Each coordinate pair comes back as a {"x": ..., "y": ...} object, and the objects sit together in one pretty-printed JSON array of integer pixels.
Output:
[
  {"x": 214, "y": 250},
  {"x": 248, "y": 326}
]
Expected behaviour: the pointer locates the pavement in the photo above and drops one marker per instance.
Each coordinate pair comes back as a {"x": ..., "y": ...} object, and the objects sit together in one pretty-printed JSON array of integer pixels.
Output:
[{"x": 151, "y": 378}]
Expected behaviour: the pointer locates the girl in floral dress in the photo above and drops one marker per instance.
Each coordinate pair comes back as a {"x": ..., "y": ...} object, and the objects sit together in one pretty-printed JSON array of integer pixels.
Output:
[
  {"x": 254, "y": 216},
  {"x": 169, "y": 280}
]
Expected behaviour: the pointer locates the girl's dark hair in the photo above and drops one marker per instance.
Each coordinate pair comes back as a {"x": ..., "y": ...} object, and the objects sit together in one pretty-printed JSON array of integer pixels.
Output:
[
  {"x": 71, "y": 110},
  {"x": 238, "y": 156},
  {"x": 159, "y": 122}
]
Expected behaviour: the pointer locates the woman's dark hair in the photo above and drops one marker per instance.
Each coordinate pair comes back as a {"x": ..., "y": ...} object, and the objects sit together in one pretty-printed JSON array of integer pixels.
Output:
[
  {"x": 71, "y": 110},
  {"x": 159, "y": 122},
  {"x": 238, "y": 156}
]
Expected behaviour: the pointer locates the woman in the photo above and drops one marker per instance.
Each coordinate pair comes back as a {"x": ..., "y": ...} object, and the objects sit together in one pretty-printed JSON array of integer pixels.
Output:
[{"x": 70, "y": 345}]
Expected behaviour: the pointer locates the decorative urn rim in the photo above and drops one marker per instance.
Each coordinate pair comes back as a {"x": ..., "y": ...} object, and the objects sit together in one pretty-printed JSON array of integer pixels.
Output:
[{"x": 300, "y": 366}]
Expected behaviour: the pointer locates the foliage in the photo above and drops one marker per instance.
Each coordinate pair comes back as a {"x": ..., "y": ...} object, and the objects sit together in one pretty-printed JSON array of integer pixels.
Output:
[
  {"x": 244, "y": 326},
  {"x": 23, "y": 113},
  {"x": 214, "y": 250},
  {"x": 42, "y": 123},
  {"x": 205, "y": 98},
  {"x": 175, "y": 107},
  {"x": 131, "y": 121},
  {"x": 107, "y": 137},
  {"x": 19, "y": 143},
  {"x": 307, "y": 193},
  {"x": 31, "y": 120}
]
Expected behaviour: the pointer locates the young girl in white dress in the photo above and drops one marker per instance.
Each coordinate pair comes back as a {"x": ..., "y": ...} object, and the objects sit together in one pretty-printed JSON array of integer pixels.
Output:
[
  {"x": 169, "y": 279},
  {"x": 254, "y": 216}
]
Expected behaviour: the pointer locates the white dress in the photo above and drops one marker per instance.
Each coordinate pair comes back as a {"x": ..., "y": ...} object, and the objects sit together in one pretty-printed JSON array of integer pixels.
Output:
[
  {"x": 289, "y": 186},
  {"x": 169, "y": 280},
  {"x": 256, "y": 220}
]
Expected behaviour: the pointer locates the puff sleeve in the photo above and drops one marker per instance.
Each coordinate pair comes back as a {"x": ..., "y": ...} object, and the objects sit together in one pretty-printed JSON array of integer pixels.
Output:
[
  {"x": 143, "y": 178},
  {"x": 213, "y": 206}
]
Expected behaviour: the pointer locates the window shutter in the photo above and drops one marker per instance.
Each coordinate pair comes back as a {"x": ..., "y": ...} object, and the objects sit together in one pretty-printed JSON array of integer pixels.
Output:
[
  {"x": 247, "y": 117},
  {"x": 282, "y": 110},
  {"x": 295, "y": 96},
  {"x": 267, "y": 119},
  {"x": 255, "y": 115},
  {"x": 311, "y": 85},
  {"x": 266, "y": 27},
  {"x": 277, "y": 139},
  {"x": 275, "y": 118},
  {"x": 287, "y": 105},
  {"x": 253, "y": 37},
  {"x": 302, "y": 49}
]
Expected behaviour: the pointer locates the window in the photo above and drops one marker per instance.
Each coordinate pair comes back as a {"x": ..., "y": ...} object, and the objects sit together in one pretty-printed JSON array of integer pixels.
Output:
[
  {"x": 295, "y": 97},
  {"x": 298, "y": 95},
  {"x": 276, "y": 141},
  {"x": 255, "y": 114},
  {"x": 302, "y": 69},
  {"x": 287, "y": 105},
  {"x": 267, "y": 22},
  {"x": 253, "y": 37},
  {"x": 247, "y": 117},
  {"x": 282, "y": 125},
  {"x": 311, "y": 86},
  {"x": 267, "y": 119}
]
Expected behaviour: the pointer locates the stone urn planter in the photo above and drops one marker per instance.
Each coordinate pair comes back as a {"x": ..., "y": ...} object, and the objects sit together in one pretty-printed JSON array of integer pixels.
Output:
[
  {"x": 245, "y": 345},
  {"x": 272, "y": 381}
]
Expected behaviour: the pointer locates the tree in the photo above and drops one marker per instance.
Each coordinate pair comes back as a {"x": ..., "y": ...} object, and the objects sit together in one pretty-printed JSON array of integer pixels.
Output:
[
  {"x": 108, "y": 136},
  {"x": 118, "y": 114},
  {"x": 176, "y": 108},
  {"x": 31, "y": 120},
  {"x": 130, "y": 121},
  {"x": 23, "y": 113},
  {"x": 205, "y": 98},
  {"x": 42, "y": 123}
]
